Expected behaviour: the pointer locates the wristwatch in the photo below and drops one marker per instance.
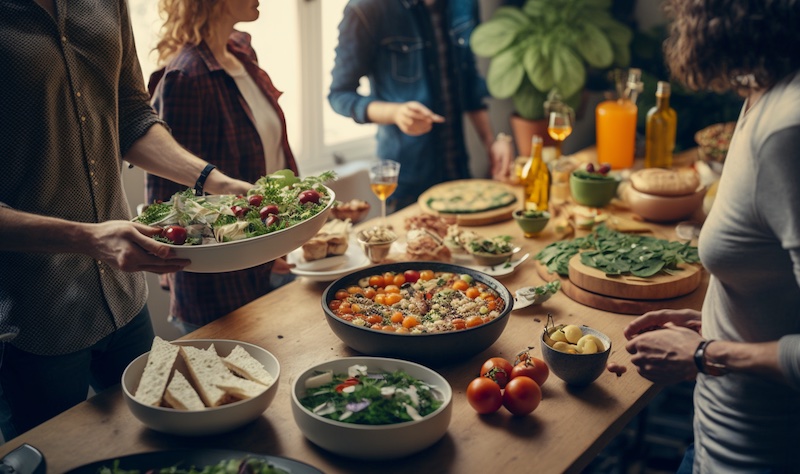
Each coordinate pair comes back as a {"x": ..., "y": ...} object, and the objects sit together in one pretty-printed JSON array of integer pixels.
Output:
[{"x": 706, "y": 366}]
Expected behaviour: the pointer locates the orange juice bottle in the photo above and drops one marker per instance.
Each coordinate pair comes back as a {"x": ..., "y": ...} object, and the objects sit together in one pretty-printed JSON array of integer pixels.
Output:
[{"x": 616, "y": 126}]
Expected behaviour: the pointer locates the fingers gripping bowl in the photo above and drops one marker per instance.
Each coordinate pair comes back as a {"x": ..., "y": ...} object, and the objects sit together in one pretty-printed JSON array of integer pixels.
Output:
[{"x": 437, "y": 318}]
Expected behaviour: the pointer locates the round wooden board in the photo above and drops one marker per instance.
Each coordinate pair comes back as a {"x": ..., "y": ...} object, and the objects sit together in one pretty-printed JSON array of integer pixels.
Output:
[
  {"x": 607, "y": 303},
  {"x": 473, "y": 218},
  {"x": 657, "y": 287}
]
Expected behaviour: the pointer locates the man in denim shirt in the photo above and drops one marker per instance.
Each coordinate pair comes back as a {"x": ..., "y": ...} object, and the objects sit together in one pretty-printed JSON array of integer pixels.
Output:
[{"x": 422, "y": 76}]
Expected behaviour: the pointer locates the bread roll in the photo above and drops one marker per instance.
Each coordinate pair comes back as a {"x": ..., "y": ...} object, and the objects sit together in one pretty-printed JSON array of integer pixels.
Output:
[
  {"x": 663, "y": 182},
  {"x": 156, "y": 373}
]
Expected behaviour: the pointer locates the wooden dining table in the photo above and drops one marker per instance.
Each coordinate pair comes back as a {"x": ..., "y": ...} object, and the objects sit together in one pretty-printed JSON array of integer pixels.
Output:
[{"x": 568, "y": 429}]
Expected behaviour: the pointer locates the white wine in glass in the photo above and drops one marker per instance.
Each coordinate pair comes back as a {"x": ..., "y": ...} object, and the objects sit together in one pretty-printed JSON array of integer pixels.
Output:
[
  {"x": 559, "y": 128},
  {"x": 383, "y": 181}
]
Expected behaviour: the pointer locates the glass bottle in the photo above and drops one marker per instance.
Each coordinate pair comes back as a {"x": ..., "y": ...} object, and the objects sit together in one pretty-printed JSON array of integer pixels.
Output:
[
  {"x": 662, "y": 122},
  {"x": 536, "y": 178},
  {"x": 616, "y": 125}
]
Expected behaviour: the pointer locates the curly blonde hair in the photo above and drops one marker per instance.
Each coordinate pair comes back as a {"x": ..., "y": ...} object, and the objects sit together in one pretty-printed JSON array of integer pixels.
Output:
[{"x": 185, "y": 22}]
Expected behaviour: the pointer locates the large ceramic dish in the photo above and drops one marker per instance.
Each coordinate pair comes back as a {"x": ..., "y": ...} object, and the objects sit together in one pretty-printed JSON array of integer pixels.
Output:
[
  {"x": 210, "y": 420},
  {"x": 246, "y": 253},
  {"x": 663, "y": 208},
  {"x": 431, "y": 347},
  {"x": 370, "y": 441},
  {"x": 185, "y": 458}
]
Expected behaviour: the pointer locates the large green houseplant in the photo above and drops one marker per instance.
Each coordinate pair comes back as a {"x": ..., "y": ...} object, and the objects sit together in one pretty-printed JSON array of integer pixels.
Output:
[{"x": 549, "y": 44}]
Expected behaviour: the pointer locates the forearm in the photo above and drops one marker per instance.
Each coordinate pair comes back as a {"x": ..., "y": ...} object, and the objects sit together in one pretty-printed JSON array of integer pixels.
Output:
[
  {"x": 759, "y": 359},
  {"x": 382, "y": 112},
  {"x": 25, "y": 232},
  {"x": 158, "y": 153}
]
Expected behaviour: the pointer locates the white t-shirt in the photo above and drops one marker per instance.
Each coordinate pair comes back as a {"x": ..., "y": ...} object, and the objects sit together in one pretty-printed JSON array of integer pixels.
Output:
[{"x": 267, "y": 122}]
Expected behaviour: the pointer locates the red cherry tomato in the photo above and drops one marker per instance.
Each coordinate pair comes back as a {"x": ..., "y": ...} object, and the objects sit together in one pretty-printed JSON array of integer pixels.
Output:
[
  {"x": 255, "y": 200},
  {"x": 239, "y": 211},
  {"x": 175, "y": 234},
  {"x": 522, "y": 395},
  {"x": 532, "y": 367},
  {"x": 267, "y": 210},
  {"x": 271, "y": 220},
  {"x": 497, "y": 369},
  {"x": 590, "y": 167},
  {"x": 484, "y": 395},
  {"x": 309, "y": 195},
  {"x": 411, "y": 276},
  {"x": 605, "y": 168}
]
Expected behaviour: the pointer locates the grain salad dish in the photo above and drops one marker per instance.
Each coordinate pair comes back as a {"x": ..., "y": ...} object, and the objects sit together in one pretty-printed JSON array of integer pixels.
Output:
[{"x": 417, "y": 302}]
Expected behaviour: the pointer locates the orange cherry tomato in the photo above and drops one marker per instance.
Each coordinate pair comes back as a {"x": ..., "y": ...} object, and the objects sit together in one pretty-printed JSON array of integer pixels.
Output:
[
  {"x": 355, "y": 290},
  {"x": 397, "y": 317},
  {"x": 459, "y": 324},
  {"x": 410, "y": 322},
  {"x": 392, "y": 289},
  {"x": 473, "y": 321},
  {"x": 370, "y": 292},
  {"x": 380, "y": 298},
  {"x": 376, "y": 280},
  {"x": 473, "y": 292},
  {"x": 392, "y": 298},
  {"x": 374, "y": 319},
  {"x": 426, "y": 275},
  {"x": 388, "y": 277},
  {"x": 388, "y": 329},
  {"x": 399, "y": 279},
  {"x": 460, "y": 285},
  {"x": 341, "y": 294}
]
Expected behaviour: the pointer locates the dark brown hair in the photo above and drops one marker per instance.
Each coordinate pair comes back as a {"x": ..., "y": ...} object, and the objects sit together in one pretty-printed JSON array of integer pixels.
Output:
[{"x": 732, "y": 44}]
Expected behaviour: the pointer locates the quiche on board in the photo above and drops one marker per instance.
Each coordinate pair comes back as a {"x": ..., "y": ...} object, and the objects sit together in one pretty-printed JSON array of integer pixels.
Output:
[{"x": 469, "y": 196}]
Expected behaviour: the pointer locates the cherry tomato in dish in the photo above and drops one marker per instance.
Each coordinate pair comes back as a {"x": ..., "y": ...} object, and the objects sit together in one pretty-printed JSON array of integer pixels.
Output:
[
  {"x": 255, "y": 200},
  {"x": 268, "y": 210},
  {"x": 376, "y": 280},
  {"x": 309, "y": 195},
  {"x": 534, "y": 368},
  {"x": 522, "y": 395},
  {"x": 484, "y": 395},
  {"x": 175, "y": 234},
  {"x": 497, "y": 369},
  {"x": 271, "y": 220},
  {"x": 239, "y": 211},
  {"x": 411, "y": 276},
  {"x": 426, "y": 275},
  {"x": 341, "y": 294}
]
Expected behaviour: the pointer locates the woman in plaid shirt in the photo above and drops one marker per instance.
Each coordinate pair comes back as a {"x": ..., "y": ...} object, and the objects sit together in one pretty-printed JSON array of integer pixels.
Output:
[{"x": 221, "y": 106}]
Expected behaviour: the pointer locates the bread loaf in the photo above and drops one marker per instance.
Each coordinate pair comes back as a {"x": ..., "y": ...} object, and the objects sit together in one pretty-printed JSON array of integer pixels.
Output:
[
  {"x": 332, "y": 239},
  {"x": 240, "y": 388},
  {"x": 663, "y": 182},
  {"x": 243, "y": 364},
  {"x": 156, "y": 373},
  {"x": 181, "y": 395},
  {"x": 206, "y": 369}
]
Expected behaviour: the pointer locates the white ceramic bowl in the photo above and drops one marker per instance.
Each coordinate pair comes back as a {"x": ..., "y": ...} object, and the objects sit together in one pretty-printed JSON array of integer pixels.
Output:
[
  {"x": 246, "y": 253},
  {"x": 371, "y": 441},
  {"x": 210, "y": 420}
]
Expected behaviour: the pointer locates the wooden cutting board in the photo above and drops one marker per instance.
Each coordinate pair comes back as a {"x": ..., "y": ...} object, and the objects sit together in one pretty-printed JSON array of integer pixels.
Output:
[
  {"x": 657, "y": 287},
  {"x": 605, "y": 302},
  {"x": 471, "y": 218}
]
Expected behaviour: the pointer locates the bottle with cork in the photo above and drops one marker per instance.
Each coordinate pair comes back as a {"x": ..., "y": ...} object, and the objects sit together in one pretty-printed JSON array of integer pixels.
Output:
[
  {"x": 536, "y": 178},
  {"x": 662, "y": 121}
]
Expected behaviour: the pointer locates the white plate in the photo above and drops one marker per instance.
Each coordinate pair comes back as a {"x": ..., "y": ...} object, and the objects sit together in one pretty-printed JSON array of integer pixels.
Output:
[
  {"x": 496, "y": 271},
  {"x": 331, "y": 268}
]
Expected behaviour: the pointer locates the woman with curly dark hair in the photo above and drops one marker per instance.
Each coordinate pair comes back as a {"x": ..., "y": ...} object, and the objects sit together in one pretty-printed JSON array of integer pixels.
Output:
[{"x": 744, "y": 348}]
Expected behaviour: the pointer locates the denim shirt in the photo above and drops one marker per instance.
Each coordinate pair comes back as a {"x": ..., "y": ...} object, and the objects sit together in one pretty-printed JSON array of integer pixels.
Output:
[{"x": 392, "y": 43}]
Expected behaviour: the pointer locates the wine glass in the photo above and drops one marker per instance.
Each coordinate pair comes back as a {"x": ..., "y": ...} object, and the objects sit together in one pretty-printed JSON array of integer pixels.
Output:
[
  {"x": 383, "y": 181},
  {"x": 559, "y": 128}
]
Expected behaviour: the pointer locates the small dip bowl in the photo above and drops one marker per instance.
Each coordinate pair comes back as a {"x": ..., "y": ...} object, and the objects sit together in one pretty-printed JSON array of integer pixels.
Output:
[
  {"x": 376, "y": 242},
  {"x": 531, "y": 222},
  {"x": 594, "y": 191}
]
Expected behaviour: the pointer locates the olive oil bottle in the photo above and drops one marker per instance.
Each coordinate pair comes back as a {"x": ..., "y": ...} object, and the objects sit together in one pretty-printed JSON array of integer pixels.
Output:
[
  {"x": 536, "y": 178},
  {"x": 662, "y": 122}
]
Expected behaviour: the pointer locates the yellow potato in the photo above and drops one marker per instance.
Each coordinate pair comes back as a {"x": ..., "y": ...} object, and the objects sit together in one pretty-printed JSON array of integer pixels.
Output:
[
  {"x": 558, "y": 336},
  {"x": 586, "y": 345},
  {"x": 597, "y": 342},
  {"x": 573, "y": 333},
  {"x": 561, "y": 346}
]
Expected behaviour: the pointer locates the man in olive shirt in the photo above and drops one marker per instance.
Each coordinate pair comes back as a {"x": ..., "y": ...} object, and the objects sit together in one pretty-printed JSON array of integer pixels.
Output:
[{"x": 71, "y": 262}]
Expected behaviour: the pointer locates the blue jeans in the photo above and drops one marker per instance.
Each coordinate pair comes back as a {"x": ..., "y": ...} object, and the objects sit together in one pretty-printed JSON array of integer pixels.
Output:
[{"x": 39, "y": 387}]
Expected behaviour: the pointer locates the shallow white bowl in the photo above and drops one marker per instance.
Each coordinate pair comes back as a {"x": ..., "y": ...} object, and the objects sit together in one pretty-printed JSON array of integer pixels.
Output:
[
  {"x": 210, "y": 420},
  {"x": 369, "y": 441},
  {"x": 246, "y": 253}
]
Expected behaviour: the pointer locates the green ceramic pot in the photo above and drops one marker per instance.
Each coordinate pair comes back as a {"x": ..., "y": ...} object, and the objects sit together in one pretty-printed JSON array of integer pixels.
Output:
[
  {"x": 593, "y": 192},
  {"x": 531, "y": 226}
]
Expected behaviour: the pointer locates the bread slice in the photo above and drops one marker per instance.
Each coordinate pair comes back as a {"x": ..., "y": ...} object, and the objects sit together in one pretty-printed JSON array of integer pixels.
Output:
[
  {"x": 181, "y": 395},
  {"x": 240, "y": 388},
  {"x": 243, "y": 364},
  {"x": 156, "y": 373},
  {"x": 206, "y": 369}
]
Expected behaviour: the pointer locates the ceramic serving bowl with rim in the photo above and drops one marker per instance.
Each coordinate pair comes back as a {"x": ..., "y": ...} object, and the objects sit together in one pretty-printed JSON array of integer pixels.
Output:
[
  {"x": 373, "y": 441},
  {"x": 577, "y": 369},
  {"x": 247, "y": 253},
  {"x": 657, "y": 208},
  {"x": 208, "y": 421},
  {"x": 433, "y": 348}
]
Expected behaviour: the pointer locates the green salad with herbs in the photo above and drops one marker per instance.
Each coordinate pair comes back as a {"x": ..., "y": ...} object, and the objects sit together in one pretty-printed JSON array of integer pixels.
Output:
[
  {"x": 232, "y": 466},
  {"x": 618, "y": 253},
  {"x": 277, "y": 201},
  {"x": 370, "y": 398}
]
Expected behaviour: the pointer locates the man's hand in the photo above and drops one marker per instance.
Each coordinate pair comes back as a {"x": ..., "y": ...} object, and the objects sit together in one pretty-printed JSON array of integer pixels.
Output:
[
  {"x": 415, "y": 119},
  {"x": 502, "y": 154},
  {"x": 128, "y": 246}
]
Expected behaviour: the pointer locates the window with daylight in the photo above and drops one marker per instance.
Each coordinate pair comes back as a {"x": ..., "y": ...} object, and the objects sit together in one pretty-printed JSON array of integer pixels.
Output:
[{"x": 295, "y": 42}]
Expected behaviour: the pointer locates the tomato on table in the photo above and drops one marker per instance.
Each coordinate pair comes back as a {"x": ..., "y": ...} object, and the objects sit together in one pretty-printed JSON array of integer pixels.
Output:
[
  {"x": 497, "y": 369},
  {"x": 522, "y": 395},
  {"x": 484, "y": 395}
]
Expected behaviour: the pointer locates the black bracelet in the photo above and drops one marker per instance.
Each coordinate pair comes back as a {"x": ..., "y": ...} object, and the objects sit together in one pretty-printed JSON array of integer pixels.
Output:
[
  {"x": 201, "y": 180},
  {"x": 700, "y": 355}
]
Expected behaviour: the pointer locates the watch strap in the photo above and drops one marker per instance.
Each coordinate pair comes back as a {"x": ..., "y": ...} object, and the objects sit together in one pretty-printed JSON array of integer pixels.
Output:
[{"x": 201, "y": 180}]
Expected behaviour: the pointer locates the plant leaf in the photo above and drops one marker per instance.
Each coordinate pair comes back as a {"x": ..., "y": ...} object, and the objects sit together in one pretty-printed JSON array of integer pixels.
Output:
[
  {"x": 538, "y": 68},
  {"x": 569, "y": 72},
  {"x": 512, "y": 14},
  {"x": 505, "y": 74},
  {"x": 529, "y": 102},
  {"x": 536, "y": 8},
  {"x": 603, "y": 4},
  {"x": 491, "y": 38},
  {"x": 595, "y": 47}
]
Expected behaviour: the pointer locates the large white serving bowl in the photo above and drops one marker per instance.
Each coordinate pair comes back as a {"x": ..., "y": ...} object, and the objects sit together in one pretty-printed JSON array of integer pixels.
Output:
[
  {"x": 246, "y": 253},
  {"x": 371, "y": 441},
  {"x": 210, "y": 420}
]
